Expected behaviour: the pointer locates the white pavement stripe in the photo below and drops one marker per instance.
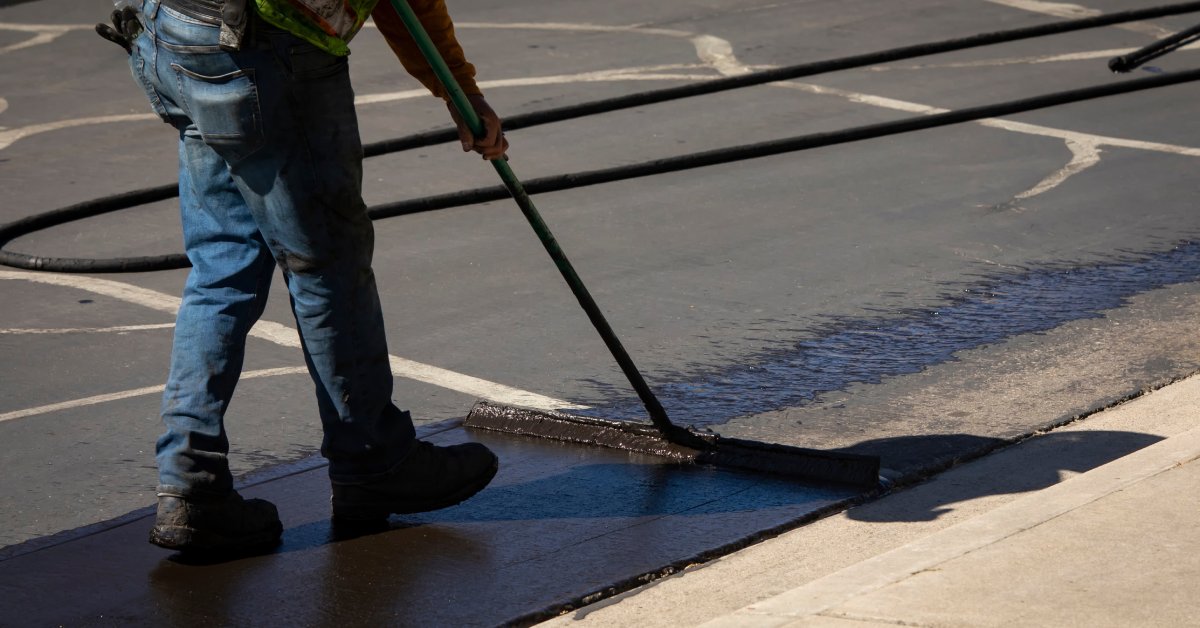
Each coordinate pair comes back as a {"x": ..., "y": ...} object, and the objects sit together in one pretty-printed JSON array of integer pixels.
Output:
[
  {"x": 1103, "y": 140},
  {"x": 645, "y": 73},
  {"x": 128, "y": 293},
  {"x": 286, "y": 336},
  {"x": 1055, "y": 9},
  {"x": 87, "y": 330},
  {"x": 136, "y": 392},
  {"x": 567, "y": 26},
  {"x": 718, "y": 54},
  {"x": 714, "y": 52},
  {"x": 1087, "y": 55},
  {"x": 7, "y": 138},
  {"x": 1075, "y": 11},
  {"x": 1084, "y": 156},
  {"x": 476, "y": 387},
  {"x": 425, "y": 373},
  {"x": 1022, "y": 514},
  {"x": 42, "y": 34},
  {"x": 576, "y": 27},
  {"x": 46, "y": 33},
  {"x": 725, "y": 63},
  {"x": 1085, "y": 147}
]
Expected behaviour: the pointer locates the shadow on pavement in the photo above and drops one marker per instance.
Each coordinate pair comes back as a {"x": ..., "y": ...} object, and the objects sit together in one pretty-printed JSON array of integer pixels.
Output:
[{"x": 1042, "y": 461}]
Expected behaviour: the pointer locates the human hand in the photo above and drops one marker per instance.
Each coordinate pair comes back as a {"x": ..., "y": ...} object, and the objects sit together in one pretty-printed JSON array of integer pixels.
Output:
[{"x": 491, "y": 146}]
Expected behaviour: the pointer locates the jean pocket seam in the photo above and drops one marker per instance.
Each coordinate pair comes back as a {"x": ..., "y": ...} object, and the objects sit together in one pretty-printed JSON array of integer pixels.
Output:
[
  {"x": 151, "y": 93},
  {"x": 252, "y": 138},
  {"x": 190, "y": 49},
  {"x": 220, "y": 78}
]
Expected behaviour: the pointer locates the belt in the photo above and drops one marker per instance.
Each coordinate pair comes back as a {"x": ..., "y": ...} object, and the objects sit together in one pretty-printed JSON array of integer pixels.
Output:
[
  {"x": 207, "y": 10},
  {"x": 233, "y": 16}
]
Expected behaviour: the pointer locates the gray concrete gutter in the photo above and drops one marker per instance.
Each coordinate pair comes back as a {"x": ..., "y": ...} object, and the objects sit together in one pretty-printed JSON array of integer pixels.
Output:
[{"x": 990, "y": 543}]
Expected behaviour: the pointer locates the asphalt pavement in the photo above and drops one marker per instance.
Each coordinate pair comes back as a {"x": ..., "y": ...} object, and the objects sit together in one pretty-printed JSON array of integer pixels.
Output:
[{"x": 926, "y": 297}]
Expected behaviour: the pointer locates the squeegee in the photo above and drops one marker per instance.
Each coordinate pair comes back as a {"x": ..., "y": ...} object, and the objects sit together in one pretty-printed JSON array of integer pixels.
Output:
[{"x": 661, "y": 437}]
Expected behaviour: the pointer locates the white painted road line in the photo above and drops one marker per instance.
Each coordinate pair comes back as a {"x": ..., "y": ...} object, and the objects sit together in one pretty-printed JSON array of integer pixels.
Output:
[
  {"x": 715, "y": 53},
  {"x": 12, "y": 135},
  {"x": 644, "y": 73},
  {"x": 1085, "y": 147},
  {"x": 1064, "y": 10},
  {"x": 136, "y": 392},
  {"x": 1068, "y": 57},
  {"x": 42, "y": 34},
  {"x": 286, "y": 336},
  {"x": 46, "y": 33},
  {"x": 120, "y": 329},
  {"x": 1074, "y": 11}
]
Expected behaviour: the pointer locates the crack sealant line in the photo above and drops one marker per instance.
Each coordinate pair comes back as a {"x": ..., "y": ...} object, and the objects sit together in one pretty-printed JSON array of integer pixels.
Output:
[
  {"x": 286, "y": 336},
  {"x": 1025, "y": 513}
]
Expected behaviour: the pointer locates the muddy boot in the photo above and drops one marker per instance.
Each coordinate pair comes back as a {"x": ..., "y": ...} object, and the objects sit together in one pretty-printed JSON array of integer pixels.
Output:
[
  {"x": 218, "y": 525},
  {"x": 429, "y": 478}
]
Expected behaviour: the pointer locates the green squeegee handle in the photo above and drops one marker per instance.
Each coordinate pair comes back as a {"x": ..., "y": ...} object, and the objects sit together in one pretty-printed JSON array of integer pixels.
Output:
[{"x": 657, "y": 414}]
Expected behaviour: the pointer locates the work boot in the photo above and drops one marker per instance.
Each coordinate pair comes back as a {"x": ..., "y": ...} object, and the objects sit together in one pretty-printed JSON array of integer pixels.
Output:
[
  {"x": 220, "y": 525},
  {"x": 429, "y": 478}
]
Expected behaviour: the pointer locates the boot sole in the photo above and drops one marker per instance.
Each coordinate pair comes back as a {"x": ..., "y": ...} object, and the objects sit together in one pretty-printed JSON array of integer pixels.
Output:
[
  {"x": 184, "y": 539},
  {"x": 359, "y": 511}
]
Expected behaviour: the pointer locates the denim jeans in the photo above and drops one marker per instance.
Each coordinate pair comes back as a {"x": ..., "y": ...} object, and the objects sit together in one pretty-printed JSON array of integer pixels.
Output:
[{"x": 270, "y": 174}]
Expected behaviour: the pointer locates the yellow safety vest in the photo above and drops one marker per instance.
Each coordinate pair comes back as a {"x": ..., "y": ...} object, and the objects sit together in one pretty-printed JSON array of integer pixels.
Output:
[{"x": 327, "y": 24}]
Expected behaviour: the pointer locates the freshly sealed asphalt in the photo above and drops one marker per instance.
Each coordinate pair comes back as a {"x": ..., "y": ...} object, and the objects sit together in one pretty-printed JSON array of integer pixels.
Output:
[
  {"x": 923, "y": 297},
  {"x": 558, "y": 524}
]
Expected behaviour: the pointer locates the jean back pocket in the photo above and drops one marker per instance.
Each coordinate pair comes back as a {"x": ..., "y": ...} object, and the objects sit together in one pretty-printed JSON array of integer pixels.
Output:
[{"x": 225, "y": 109}]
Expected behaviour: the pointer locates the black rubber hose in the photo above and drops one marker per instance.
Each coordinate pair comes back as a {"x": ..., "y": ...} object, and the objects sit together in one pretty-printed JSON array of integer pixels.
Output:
[
  {"x": 117, "y": 202},
  {"x": 1130, "y": 62},
  {"x": 775, "y": 147},
  {"x": 617, "y": 103},
  {"x": 79, "y": 211}
]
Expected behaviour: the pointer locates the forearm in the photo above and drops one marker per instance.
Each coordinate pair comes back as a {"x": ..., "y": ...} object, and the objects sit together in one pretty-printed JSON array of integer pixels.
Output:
[{"x": 437, "y": 23}]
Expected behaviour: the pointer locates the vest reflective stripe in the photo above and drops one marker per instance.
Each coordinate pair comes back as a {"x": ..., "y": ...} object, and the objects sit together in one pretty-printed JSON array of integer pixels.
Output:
[{"x": 327, "y": 24}]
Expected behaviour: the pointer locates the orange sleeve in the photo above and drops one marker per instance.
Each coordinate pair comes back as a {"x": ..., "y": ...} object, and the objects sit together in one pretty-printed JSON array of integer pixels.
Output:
[{"x": 437, "y": 23}]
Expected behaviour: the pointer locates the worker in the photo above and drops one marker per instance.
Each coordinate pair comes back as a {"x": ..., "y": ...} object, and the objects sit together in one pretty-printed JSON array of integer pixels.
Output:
[{"x": 270, "y": 174}]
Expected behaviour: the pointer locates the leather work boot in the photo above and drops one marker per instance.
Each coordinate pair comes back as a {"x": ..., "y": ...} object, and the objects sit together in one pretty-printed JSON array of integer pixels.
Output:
[
  {"x": 429, "y": 478},
  {"x": 219, "y": 525}
]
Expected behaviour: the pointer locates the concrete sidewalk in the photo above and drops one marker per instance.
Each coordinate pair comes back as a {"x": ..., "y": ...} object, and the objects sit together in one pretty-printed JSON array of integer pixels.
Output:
[{"x": 1115, "y": 545}]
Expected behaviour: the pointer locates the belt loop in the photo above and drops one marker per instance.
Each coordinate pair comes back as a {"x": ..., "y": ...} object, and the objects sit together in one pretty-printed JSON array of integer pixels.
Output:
[{"x": 150, "y": 9}]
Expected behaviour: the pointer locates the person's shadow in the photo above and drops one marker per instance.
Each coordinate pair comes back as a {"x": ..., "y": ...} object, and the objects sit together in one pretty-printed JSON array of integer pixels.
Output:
[{"x": 1032, "y": 465}]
